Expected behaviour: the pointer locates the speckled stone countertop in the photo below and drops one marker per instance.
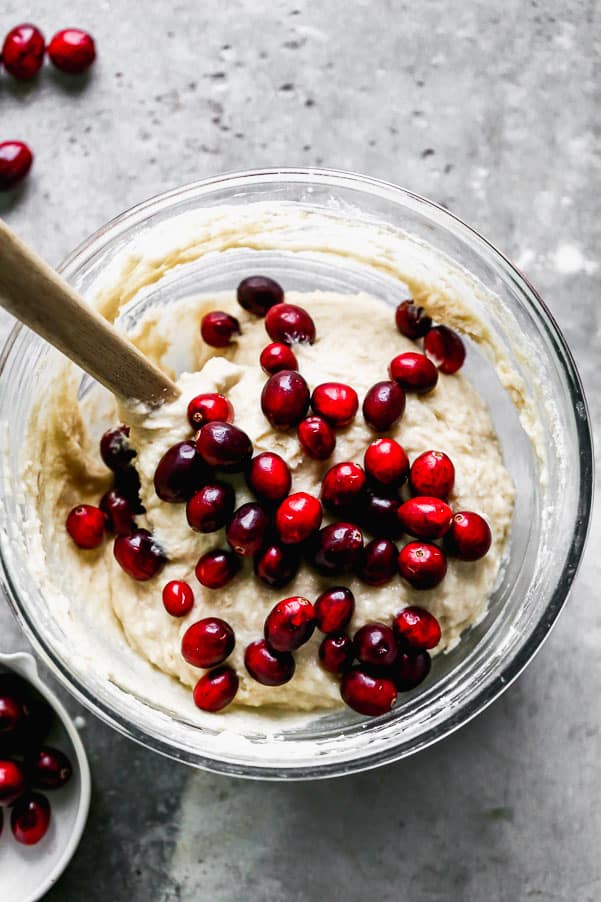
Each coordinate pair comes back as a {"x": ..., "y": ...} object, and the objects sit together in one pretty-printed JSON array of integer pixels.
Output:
[{"x": 493, "y": 110}]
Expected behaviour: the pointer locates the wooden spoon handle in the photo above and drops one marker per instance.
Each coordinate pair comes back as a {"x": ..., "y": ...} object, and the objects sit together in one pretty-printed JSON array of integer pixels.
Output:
[{"x": 37, "y": 296}]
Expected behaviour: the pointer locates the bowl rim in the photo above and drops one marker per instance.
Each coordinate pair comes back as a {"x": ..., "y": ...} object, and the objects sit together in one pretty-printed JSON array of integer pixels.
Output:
[{"x": 481, "y": 698}]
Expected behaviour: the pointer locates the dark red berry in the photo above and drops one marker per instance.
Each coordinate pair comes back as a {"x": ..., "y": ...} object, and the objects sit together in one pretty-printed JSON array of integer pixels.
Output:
[
  {"x": 298, "y": 517},
  {"x": 139, "y": 555},
  {"x": 285, "y": 399},
  {"x": 258, "y": 294},
  {"x": 375, "y": 645},
  {"x": 269, "y": 477},
  {"x": 51, "y": 769},
  {"x": 334, "y": 609},
  {"x": 417, "y": 628},
  {"x": 414, "y": 372},
  {"x": 383, "y": 405},
  {"x": 445, "y": 348},
  {"x": 336, "y": 653},
  {"x": 342, "y": 487},
  {"x": 23, "y": 51},
  {"x": 15, "y": 162},
  {"x": 432, "y": 473},
  {"x": 115, "y": 449},
  {"x": 316, "y": 437},
  {"x": 422, "y": 565},
  {"x": 378, "y": 564},
  {"x": 366, "y": 693},
  {"x": 271, "y": 668},
  {"x": 386, "y": 463},
  {"x": 216, "y": 568},
  {"x": 335, "y": 402},
  {"x": 72, "y": 50},
  {"x": 211, "y": 507},
  {"x": 218, "y": 328},
  {"x": 411, "y": 668},
  {"x": 277, "y": 565},
  {"x": 290, "y": 623},
  {"x": 119, "y": 513},
  {"x": 181, "y": 471},
  {"x": 86, "y": 525},
  {"x": 288, "y": 323},
  {"x": 247, "y": 529},
  {"x": 425, "y": 517},
  {"x": 276, "y": 357},
  {"x": 12, "y": 714},
  {"x": 379, "y": 516},
  {"x": 337, "y": 548},
  {"x": 469, "y": 538},
  {"x": 178, "y": 598},
  {"x": 224, "y": 446},
  {"x": 208, "y": 408},
  {"x": 127, "y": 484},
  {"x": 411, "y": 320},
  {"x": 208, "y": 642},
  {"x": 30, "y": 818},
  {"x": 13, "y": 782},
  {"x": 216, "y": 689}
]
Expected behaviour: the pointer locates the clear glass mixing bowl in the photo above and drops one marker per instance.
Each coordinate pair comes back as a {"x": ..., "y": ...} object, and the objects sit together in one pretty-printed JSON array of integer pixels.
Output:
[{"x": 553, "y": 495}]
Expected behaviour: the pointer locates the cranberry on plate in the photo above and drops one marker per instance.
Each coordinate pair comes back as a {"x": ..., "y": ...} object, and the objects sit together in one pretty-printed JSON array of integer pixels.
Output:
[
  {"x": 336, "y": 402},
  {"x": 288, "y": 323},
  {"x": 433, "y": 474},
  {"x": 417, "y": 628},
  {"x": 216, "y": 568},
  {"x": 216, "y": 689},
  {"x": 139, "y": 555},
  {"x": 411, "y": 320},
  {"x": 290, "y": 624},
  {"x": 72, "y": 50},
  {"x": 423, "y": 565},
  {"x": 258, "y": 294},
  {"x": 50, "y": 768},
  {"x": 23, "y": 51},
  {"x": 86, "y": 525},
  {"x": 30, "y": 818},
  {"x": 13, "y": 782},
  {"x": 208, "y": 642},
  {"x": 469, "y": 537},
  {"x": 367, "y": 693},
  {"x": 266, "y": 666},
  {"x": 15, "y": 162}
]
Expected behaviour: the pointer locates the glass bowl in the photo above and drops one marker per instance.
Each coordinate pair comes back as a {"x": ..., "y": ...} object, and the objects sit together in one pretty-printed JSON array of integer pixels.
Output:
[{"x": 553, "y": 476}]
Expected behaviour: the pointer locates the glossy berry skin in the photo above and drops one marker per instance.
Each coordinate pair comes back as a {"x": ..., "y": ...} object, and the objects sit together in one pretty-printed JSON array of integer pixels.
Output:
[
  {"x": 417, "y": 628},
  {"x": 445, "y": 348},
  {"x": 384, "y": 404},
  {"x": 209, "y": 408},
  {"x": 86, "y": 525},
  {"x": 13, "y": 782},
  {"x": 216, "y": 568},
  {"x": 337, "y": 548},
  {"x": 298, "y": 517},
  {"x": 224, "y": 446},
  {"x": 375, "y": 645},
  {"x": 379, "y": 516},
  {"x": 258, "y": 294},
  {"x": 469, "y": 538},
  {"x": 378, "y": 564},
  {"x": 432, "y": 473},
  {"x": 115, "y": 449},
  {"x": 268, "y": 667},
  {"x": 288, "y": 323},
  {"x": 211, "y": 507},
  {"x": 425, "y": 517},
  {"x": 218, "y": 328},
  {"x": 51, "y": 769},
  {"x": 30, "y": 819},
  {"x": 285, "y": 399},
  {"x": 181, "y": 471},
  {"x": 342, "y": 487},
  {"x": 276, "y": 565},
  {"x": 268, "y": 477},
  {"x": 216, "y": 689},
  {"x": 247, "y": 529},
  {"x": 316, "y": 437},
  {"x": 276, "y": 357},
  {"x": 139, "y": 555},
  {"x": 290, "y": 624},
  {"x": 72, "y": 50},
  {"x": 336, "y": 402},
  {"x": 208, "y": 642},
  {"x": 334, "y": 609},
  {"x": 336, "y": 653},
  {"x": 178, "y": 598},
  {"x": 23, "y": 51},
  {"x": 411, "y": 320},
  {"x": 119, "y": 513},
  {"x": 386, "y": 463},
  {"x": 423, "y": 565},
  {"x": 127, "y": 484},
  {"x": 411, "y": 668},
  {"x": 12, "y": 714},
  {"x": 367, "y": 693},
  {"x": 15, "y": 162},
  {"x": 414, "y": 372}
]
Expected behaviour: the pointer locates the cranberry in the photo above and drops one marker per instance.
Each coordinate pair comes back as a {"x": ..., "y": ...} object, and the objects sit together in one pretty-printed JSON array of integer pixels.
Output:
[
  {"x": 86, "y": 525},
  {"x": 336, "y": 653},
  {"x": 290, "y": 623},
  {"x": 411, "y": 320},
  {"x": 271, "y": 668},
  {"x": 216, "y": 568},
  {"x": 211, "y": 507},
  {"x": 208, "y": 408},
  {"x": 224, "y": 446},
  {"x": 258, "y": 294},
  {"x": 12, "y": 714},
  {"x": 30, "y": 818},
  {"x": 216, "y": 689},
  {"x": 13, "y": 782},
  {"x": 277, "y": 565},
  {"x": 269, "y": 477},
  {"x": 432, "y": 473},
  {"x": 379, "y": 562},
  {"x": 127, "y": 483},
  {"x": 119, "y": 513},
  {"x": 414, "y": 372},
  {"x": 469, "y": 537},
  {"x": 208, "y": 642},
  {"x": 367, "y": 693},
  {"x": 15, "y": 162},
  {"x": 411, "y": 669},
  {"x": 285, "y": 399},
  {"x": 445, "y": 348},
  {"x": 379, "y": 516},
  {"x": 375, "y": 645},
  {"x": 23, "y": 51},
  {"x": 425, "y": 517},
  {"x": 335, "y": 402},
  {"x": 178, "y": 598},
  {"x": 337, "y": 548},
  {"x": 386, "y": 463},
  {"x": 276, "y": 357},
  {"x": 218, "y": 328},
  {"x": 115, "y": 449},
  {"x": 72, "y": 50},
  {"x": 417, "y": 628},
  {"x": 422, "y": 565},
  {"x": 383, "y": 405},
  {"x": 51, "y": 769},
  {"x": 139, "y": 555},
  {"x": 288, "y": 323},
  {"x": 298, "y": 517},
  {"x": 334, "y": 609},
  {"x": 181, "y": 471},
  {"x": 342, "y": 487},
  {"x": 247, "y": 529},
  {"x": 316, "y": 437}
]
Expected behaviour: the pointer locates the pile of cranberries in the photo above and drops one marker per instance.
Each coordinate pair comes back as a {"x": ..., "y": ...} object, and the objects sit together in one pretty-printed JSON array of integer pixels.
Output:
[
  {"x": 26, "y": 764},
  {"x": 386, "y": 496}
]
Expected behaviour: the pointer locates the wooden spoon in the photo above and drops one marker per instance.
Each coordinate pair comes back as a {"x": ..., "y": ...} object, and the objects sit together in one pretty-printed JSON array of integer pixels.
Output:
[{"x": 37, "y": 296}]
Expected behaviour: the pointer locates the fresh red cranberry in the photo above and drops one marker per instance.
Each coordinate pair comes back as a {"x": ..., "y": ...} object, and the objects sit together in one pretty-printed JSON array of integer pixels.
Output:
[
  {"x": 139, "y": 555},
  {"x": 178, "y": 598},
  {"x": 445, "y": 348},
  {"x": 414, "y": 372},
  {"x": 13, "y": 782},
  {"x": 72, "y": 50},
  {"x": 208, "y": 642},
  {"x": 379, "y": 516},
  {"x": 383, "y": 405},
  {"x": 216, "y": 689},
  {"x": 115, "y": 449},
  {"x": 411, "y": 668},
  {"x": 12, "y": 714},
  {"x": 269, "y": 477},
  {"x": 277, "y": 565},
  {"x": 288, "y": 323},
  {"x": 276, "y": 357},
  {"x": 285, "y": 399},
  {"x": 367, "y": 693},
  {"x": 23, "y": 51},
  {"x": 86, "y": 525},
  {"x": 425, "y": 517},
  {"x": 290, "y": 623},
  {"x": 335, "y": 402},
  {"x": 386, "y": 463},
  {"x": 211, "y": 507},
  {"x": 342, "y": 487},
  {"x": 268, "y": 667},
  {"x": 378, "y": 564},
  {"x": 337, "y": 548},
  {"x": 422, "y": 565},
  {"x": 119, "y": 513},
  {"x": 258, "y": 294},
  {"x": 181, "y": 471},
  {"x": 336, "y": 653},
  {"x": 298, "y": 517},
  {"x": 51, "y": 768},
  {"x": 127, "y": 484},
  {"x": 375, "y": 645},
  {"x": 432, "y": 473},
  {"x": 216, "y": 568},
  {"x": 417, "y": 627},
  {"x": 224, "y": 446},
  {"x": 411, "y": 320},
  {"x": 247, "y": 529},
  {"x": 469, "y": 538},
  {"x": 209, "y": 408},
  {"x": 218, "y": 328},
  {"x": 316, "y": 437},
  {"x": 334, "y": 609},
  {"x": 30, "y": 818},
  {"x": 15, "y": 162}
]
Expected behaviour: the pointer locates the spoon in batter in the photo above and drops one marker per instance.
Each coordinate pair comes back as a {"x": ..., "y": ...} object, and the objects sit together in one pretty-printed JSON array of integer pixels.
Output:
[{"x": 37, "y": 296}]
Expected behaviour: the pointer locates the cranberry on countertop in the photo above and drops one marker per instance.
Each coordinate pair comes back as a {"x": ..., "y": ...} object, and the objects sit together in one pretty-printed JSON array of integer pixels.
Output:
[
  {"x": 86, "y": 525},
  {"x": 432, "y": 473},
  {"x": 384, "y": 404},
  {"x": 298, "y": 517},
  {"x": 334, "y": 609},
  {"x": 216, "y": 568},
  {"x": 218, "y": 329},
  {"x": 367, "y": 693},
  {"x": 285, "y": 399},
  {"x": 445, "y": 348},
  {"x": 207, "y": 408},
  {"x": 23, "y": 51},
  {"x": 290, "y": 624},
  {"x": 288, "y": 323},
  {"x": 216, "y": 689},
  {"x": 411, "y": 320},
  {"x": 208, "y": 642},
  {"x": 15, "y": 162},
  {"x": 423, "y": 565},
  {"x": 268, "y": 477},
  {"x": 417, "y": 627},
  {"x": 178, "y": 598},
  {"x": 258, "y": 294},
  {"x": 316, "y": 437},
  {"x": 30, "y": 818},
  {"x": 336, "y": 402},
  {"x": 139, "y": 555},
  {"x": 277, "y": 356},
  {"x": 414, "y": 372},
  {"x": 268, "y": 667},
  {"x": 469, "y": 537},
  {"x": 72, "y": 50}
]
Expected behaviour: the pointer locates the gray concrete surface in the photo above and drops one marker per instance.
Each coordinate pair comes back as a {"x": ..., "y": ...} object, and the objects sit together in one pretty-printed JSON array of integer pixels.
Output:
[{"x": 494, "y": 110}]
